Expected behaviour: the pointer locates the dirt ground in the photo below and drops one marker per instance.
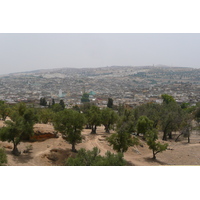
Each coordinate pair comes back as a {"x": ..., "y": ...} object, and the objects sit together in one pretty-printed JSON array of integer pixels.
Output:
[{"x": 53, "y": 151}]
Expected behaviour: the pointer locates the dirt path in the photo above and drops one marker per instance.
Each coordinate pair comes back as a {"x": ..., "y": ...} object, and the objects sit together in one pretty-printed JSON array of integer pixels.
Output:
[{"x": 55, "y": 150}]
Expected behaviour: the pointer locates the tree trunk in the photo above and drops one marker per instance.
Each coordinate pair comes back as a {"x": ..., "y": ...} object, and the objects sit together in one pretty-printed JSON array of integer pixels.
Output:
[
  {"x": 178, "y": 137},
  {"x": 164, "y": 136},
  {"x": 73, "y": 148},
  {"x": 188, "y": 137},
  {"x": 154, "y": 155},
  {"x": 93, "y": 130},
  {"x": 88, "y": 126},
  {"x": 15, "y": 150},
  {"x": 170, "y": 135},
  {"x": 107, "y": 129}
]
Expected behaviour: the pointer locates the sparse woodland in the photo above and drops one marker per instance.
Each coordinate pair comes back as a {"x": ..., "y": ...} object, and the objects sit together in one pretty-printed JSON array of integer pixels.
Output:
[{"x": 151, "y": 123}]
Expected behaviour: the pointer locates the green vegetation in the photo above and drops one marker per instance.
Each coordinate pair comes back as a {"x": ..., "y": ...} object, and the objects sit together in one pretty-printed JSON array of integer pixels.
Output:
[
  {"x": 43, "y": 102},
  {"x": 167, "y": 98},
  {"x": 110, "y": 103},
  {"x": 108, "y": 118},
  {"x": 3, "y": 157},
  {"x": 20, "y": 126},
  {"x": 148, "y": 119},
  {"x": 62, "y": 104},
  {"x": 92, "y": 158},
  {"x": 45, "y": 115},
  {"x": 94, "y": 118},
  {"x": 156, "y": 147},
  {"x": 85, "y": 98},
  {"x": 122, "y": 140},
  {"x": 144, "y": 124},
  {"x": 170, "y": 119},
  {"x": 56, "y": 108},
  {"x": 70, "y": 123},
  {"x": 4, "y": 110}
]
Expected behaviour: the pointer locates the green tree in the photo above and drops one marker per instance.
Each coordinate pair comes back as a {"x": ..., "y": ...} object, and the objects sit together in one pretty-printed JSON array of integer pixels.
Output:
[
  {"x": 170, "y": 119},
  {"x": 62, "y": 104},
  {"x": 122, "y": 140},
  {"x": 156, "y": 147},
  {"x": 127, "y": 121},
  {"x": 186, "y": 126},
  {"x": 3, "y": 157},
  {"x": 45, "y": 115},
  {"x": 92, "y": 158},
  {"x": 20, "y": 126},
  {"x": 167, "y": 98},
  {"x": 56, "y": 108},
  {"x": 4, "y": 110},
  {"x": 151, "y": 110},
  {"x": 185, "y": 105},
  {"x": 120, "y": 109},
  {"x": 53, "y": 102},
  {"x": 85, "y": 98},
  {"x": 197, "y": 114},
  {"x": 43, "y": 101},
  {"x": 144, "y": 124},
  {"x": 76, "y": 107},
  {"x": 94, "y": 118},
  {"x": 85, "y": 108},
  {"x": 108, "y": 118},
  {"x": 70, "y": 123},
  {"x": 110, "y": 103}
]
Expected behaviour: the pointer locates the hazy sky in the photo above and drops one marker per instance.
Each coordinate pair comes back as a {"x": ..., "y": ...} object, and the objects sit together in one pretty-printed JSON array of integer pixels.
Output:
[{"x": 25, "y": 52}]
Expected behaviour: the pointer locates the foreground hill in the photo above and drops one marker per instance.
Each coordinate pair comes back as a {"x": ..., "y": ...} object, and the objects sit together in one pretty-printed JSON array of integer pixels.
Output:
[{"x": 54, "y": 151}]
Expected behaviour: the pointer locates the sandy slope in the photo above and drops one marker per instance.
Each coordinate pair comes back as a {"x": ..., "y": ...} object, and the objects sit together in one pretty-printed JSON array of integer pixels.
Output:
[{"x": 55, "y": 150}]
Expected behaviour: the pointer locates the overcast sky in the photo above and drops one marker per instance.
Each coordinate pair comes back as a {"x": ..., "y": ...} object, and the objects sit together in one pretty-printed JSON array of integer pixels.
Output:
[{"x": 31, "y": 51}]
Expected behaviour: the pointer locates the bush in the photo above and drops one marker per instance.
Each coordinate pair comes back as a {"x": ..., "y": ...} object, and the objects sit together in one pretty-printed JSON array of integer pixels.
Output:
[
  {"x": 3, "y": 157},
  {"x": 92, "y": 158}
]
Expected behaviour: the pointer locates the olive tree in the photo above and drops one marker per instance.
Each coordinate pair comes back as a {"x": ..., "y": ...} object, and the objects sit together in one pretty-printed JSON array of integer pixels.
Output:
[
  {"x": 144, "y": 124},
  {"x": 122, "y": 140},
  {"x": 70, "y": 124},
  {"x": 108, "y": 118},
  {"x": 20, "y": 126},
  {"x": 94, "y": 118},
  {"x": 4, "y": 110},
  {"x": 156, "y": 147}
]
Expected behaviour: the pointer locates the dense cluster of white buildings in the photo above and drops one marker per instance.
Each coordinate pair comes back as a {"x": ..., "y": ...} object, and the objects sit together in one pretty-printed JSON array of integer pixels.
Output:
[{"x": 126, "y": 85}]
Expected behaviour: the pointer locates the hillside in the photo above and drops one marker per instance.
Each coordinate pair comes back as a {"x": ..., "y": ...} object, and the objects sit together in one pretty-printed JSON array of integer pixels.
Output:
[{"x": 54, "y": 151}]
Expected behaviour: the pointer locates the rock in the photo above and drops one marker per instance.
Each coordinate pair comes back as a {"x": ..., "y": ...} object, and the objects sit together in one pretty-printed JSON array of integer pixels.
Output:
[
  {"x": 101, "y": 139},
  {"x": 54, "y": 150},
  {"x": 41, "y": 136},
  {"x": 7, "y": 146},
  {"x": 52, "y": 157}
]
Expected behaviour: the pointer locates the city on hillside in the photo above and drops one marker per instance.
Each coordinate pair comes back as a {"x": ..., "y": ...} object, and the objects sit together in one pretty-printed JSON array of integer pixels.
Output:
[{"x": 126, "y": 85}]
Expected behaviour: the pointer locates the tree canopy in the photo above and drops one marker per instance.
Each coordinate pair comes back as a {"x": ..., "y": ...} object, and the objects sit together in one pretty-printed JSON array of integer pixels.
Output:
[
  {"x": 156, "y": 147},
  {"x": 70, "y": 123},
  {"x": 85, "y": 98},
  {"x": 94, "y": 118},
  {"x": 110, "y": 103},
  {"x": 122, "y": 140},
  {"x": 167, "y": 98},
  {"x": 144, "y": 124},
  {"x": 20, "y": 127},
  {"x": 108, "y": 118},
  {"x": 4, "y": 110}
]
